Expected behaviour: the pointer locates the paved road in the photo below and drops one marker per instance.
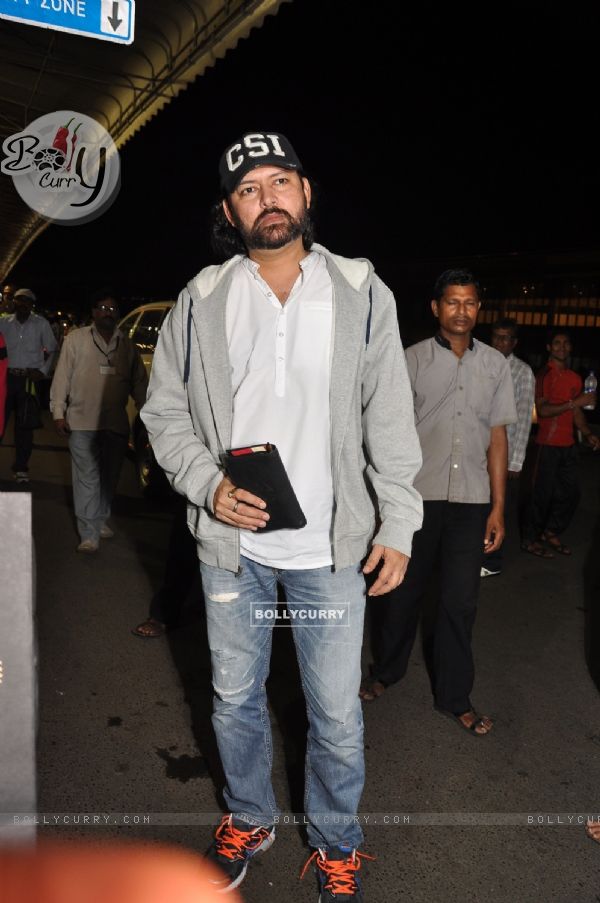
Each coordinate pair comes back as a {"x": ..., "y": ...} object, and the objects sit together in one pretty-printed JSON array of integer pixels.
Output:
[{"x": 124, "y": 723}]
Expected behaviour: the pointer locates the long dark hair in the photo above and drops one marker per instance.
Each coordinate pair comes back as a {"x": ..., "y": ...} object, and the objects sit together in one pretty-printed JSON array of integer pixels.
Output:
[{"x": 226, "y": 241}]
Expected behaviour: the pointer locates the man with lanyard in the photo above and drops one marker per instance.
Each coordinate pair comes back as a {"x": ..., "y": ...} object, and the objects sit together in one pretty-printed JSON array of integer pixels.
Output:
[
  {"x": 463, "y": 400},
  {"x": 98, "y": 369},
  {"x": 290, "y": 344},
  {"x": 559, "y": 402},
  {"x": 31, "y": 346},
  {"x": 504, "y": 340}
]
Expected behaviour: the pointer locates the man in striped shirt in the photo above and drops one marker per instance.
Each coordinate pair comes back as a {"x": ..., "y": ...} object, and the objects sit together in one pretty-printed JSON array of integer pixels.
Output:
[{"x": 504, "y": 340}]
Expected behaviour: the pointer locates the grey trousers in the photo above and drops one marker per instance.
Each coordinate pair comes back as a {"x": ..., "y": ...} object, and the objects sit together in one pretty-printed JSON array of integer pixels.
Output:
[{"x": 96, "y": 459}]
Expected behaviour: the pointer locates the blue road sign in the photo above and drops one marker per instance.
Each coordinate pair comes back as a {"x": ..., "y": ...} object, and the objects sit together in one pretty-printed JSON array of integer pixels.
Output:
[{"x": 108, "y": 20}]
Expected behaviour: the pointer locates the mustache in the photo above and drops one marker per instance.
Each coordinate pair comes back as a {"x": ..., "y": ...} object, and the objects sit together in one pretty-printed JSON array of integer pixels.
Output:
[{"x": 270, "y": 212}]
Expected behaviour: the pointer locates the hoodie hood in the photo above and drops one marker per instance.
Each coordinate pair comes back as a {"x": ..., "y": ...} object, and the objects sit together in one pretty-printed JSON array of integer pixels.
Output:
[
  {"x": 356, "y": 271},
  {"x": 208, "y": 279}
]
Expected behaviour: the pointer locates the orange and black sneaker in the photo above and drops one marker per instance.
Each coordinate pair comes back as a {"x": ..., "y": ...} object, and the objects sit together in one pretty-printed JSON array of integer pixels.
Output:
[
  {"x": 337, "y": 870},
  {"x": 232, "y": 849}
]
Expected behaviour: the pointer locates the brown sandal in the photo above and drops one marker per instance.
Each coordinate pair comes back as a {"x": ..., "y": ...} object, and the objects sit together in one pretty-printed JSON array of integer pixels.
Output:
[
  {"x": 371, "y": 689},
  {"x": 479, "y": 721},
  {"x": 555, "y": 543},
  {"x": 537, "y": 549},
  {"x": 150, "y": 629}
]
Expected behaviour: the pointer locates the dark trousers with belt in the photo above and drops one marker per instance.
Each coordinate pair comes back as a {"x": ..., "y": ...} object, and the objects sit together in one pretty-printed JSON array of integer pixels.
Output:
[
  {"x": 455, "y": 532},
  {"x": 513, "y": 522},
  {"x": 555, "y": 490},
  {"x": 16, "y": 397}
]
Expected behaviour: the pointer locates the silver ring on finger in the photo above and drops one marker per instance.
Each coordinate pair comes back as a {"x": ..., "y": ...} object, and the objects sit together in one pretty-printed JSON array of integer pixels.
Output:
[
  {"x": 235, "y": 507},
  {"x": 232, "y": 492}
]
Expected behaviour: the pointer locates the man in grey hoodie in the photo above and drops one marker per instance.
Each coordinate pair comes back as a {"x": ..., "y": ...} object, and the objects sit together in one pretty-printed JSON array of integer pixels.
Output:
[{"x": 289, "y": 344}]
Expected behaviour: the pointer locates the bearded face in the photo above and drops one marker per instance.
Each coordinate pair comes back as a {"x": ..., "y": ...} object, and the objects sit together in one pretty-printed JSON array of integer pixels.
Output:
[{"x": 269, "y": 208}]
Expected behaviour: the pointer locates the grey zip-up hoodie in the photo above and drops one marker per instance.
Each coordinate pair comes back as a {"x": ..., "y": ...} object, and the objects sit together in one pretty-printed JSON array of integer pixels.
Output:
[{"x": 375, "y": 452}]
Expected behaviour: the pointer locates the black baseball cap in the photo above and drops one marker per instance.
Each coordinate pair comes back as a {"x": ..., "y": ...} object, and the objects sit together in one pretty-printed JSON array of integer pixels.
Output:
[{"x": 251, "y": 150}]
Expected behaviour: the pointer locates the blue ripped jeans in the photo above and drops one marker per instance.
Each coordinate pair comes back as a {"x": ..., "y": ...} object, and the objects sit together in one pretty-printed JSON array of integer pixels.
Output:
[{"x": 240, "y": 614}]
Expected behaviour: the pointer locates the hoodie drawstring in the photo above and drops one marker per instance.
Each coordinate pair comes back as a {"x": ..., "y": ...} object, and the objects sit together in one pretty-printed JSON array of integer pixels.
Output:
[
  {"x": 188, "y": 350},
  {"x": 368, "y": 333}
]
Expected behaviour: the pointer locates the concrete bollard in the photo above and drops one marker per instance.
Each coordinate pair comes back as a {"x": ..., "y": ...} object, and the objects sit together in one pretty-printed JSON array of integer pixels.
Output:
[{"x": 18, "y": 667}]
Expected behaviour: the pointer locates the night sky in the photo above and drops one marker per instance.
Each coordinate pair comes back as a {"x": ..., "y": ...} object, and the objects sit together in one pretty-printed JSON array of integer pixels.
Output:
[{"x": 457, "y": 132}]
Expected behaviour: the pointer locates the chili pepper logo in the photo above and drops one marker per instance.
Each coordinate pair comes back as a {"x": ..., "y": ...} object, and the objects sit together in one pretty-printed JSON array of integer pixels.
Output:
[
  {"x": 54, "y": 157},
  {"x": 60, "y": 139},
  {"x": 68, "y": 174},
  {"x": 73, "y": 143}
]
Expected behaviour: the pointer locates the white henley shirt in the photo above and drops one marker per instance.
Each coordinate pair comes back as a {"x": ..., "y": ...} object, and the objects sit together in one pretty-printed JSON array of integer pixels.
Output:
[{"x": 280, "y": 367}]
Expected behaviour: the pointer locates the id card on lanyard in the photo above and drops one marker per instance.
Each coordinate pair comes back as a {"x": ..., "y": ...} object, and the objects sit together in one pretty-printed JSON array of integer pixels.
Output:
[{"x": 107, "y": 369}]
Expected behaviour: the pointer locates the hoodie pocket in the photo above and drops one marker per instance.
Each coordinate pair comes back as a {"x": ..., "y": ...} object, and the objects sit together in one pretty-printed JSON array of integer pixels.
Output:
[{"x": 355, "y": 512}]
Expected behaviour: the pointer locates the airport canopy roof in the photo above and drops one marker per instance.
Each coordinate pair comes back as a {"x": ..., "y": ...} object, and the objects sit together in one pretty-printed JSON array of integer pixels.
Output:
[{"x": 121, "y": 86}]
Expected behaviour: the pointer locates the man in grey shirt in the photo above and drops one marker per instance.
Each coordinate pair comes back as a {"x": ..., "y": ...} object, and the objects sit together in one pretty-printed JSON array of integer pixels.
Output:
[{"x": 463, "y": 399}]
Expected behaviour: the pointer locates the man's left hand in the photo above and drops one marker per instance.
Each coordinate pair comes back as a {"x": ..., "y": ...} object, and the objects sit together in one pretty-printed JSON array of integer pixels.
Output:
[
  {"x": 593, "y": 441},
  {"x": 392, "y": 570},
  {"x": 494, "y": 532}
]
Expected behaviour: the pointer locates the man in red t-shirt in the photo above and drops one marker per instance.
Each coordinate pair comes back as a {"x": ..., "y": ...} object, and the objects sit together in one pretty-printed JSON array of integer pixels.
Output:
[{"x": 559, "y": 402}]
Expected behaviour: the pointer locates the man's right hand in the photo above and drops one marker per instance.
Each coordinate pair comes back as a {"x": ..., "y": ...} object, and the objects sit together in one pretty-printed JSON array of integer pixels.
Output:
[
  {"x": 62, "y": 427},
  {"x": 239, "y": 507}
]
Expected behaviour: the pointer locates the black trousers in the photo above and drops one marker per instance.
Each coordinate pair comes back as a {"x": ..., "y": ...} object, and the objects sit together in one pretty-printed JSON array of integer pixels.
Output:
[
  {"x": 513, "y": 522},
  {"x": 181, "y": 570},
  {"x": 555, "y": 490},
  {"x": 455, "y": 532},
  {"x": 15, "y": 398}
]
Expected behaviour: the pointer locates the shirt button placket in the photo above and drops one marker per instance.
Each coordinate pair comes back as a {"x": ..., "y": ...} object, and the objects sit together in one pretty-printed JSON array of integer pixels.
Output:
[
  {"x": 280, "y": 354},
  {"x": 455, "y": 469}
]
